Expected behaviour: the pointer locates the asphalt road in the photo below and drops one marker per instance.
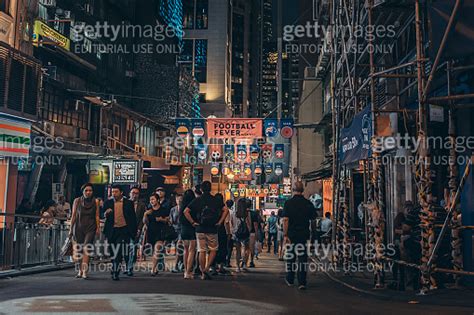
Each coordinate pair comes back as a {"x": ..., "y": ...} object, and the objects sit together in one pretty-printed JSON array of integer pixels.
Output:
[{"x": 261, "y": 290}]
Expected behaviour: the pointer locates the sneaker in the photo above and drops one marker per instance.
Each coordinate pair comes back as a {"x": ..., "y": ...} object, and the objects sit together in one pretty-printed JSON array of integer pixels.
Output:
[
  {"x": 288, "y": 283},
  {"x": 251, "y": 265},
  {"x": 302, "y": 287},
  {"x": 130, "y": 273}
]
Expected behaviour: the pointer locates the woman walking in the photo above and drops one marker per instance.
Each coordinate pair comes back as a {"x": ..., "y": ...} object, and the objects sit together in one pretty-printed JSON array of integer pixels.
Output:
[
  {"x": 188, "y": 235},
  {"x": 85, "y": 226},
  {"x": 156, "y": 220},
  {"x": 241, "y": 224}
]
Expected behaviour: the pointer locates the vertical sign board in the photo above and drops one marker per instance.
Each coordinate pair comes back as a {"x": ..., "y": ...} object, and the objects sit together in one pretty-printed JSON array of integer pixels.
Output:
[{"x": 125, "y": 172}]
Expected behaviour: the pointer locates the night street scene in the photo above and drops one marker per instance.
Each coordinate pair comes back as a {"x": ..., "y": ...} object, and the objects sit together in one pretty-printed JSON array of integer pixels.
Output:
[{"x": 237, "y": 157}]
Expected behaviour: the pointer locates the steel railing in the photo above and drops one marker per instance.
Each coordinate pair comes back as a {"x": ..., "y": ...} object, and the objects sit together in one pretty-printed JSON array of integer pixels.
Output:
[{"x": 26, "y": 243}]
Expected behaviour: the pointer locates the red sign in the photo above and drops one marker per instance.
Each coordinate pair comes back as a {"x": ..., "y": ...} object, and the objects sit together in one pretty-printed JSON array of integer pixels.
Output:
[{"x": 234, "y": 128}]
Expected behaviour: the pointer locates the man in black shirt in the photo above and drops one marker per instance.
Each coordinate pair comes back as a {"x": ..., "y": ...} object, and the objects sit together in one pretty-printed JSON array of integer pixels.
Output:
[
  {"x": 297, "y": 213},
  {"x": 206, "y": 214}
]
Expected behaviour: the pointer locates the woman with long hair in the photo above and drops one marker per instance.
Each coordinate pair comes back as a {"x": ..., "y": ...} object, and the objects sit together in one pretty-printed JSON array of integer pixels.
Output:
[
  {"x": 241, "y": 224},
  {"x": 85, "y": 226},
  {"x": 156, "y": 219},
  {"x": 188, "y": 235}
]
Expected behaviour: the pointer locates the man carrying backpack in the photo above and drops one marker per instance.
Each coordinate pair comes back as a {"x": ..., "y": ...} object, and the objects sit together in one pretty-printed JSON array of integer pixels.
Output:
[{"x": 206, "y": 213}]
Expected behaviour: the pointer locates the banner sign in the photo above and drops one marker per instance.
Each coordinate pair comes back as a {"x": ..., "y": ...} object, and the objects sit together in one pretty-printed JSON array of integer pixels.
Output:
[
  {"x": 355, "y": 140},
  {"x": 247, "y": 169},
  {"x": 125, "y": 172},
  {"x": 241, "y": 152},
  {"x": 42, "y": 33},
  {"x": 254, "y": 152},
  {"x": 286, "y": 128},
  {"x": 258, "y": 169},
  {"x": 271, "y": 127},
  {"x": 182, "y": 127},
  {"x": 234, "y": 128},
  {"x": 215, "y": 169},
  {"x": 267, "y": 151},
  {"x": 229, "y": 152},
  {"x": 278, "y": 169},
  {"x": 198, "y": 127},
  {"x": 269, "y": 168},
  {"x": 225, "y": 169},
  {"x": 215, "y": 150},
  {"x": 201, "y": 151},
  {"x": 279, "y": 151}
]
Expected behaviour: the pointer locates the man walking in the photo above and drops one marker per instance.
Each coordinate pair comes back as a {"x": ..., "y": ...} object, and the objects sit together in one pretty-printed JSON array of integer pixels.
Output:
[
  {"x": 297, "y": 213},
  {"x": 140, "y": 208},
  {"x": 273, "y": 233},
  {"x": 206, "y": 214},
  {"x": 120, "y": 228}
]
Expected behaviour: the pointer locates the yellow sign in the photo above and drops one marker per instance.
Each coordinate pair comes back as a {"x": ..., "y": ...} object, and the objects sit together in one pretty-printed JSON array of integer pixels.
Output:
[{"x": 43, "y": 34}]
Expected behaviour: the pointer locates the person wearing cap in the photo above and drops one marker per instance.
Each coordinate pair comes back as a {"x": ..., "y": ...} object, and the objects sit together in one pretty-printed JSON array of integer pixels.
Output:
[
  {"x": 297, "y": 213},
  {"x": 164, "y": 202}
]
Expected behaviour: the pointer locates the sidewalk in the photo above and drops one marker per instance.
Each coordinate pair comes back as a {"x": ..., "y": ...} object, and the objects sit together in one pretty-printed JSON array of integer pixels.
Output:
[{"x": 363, "y": 282}]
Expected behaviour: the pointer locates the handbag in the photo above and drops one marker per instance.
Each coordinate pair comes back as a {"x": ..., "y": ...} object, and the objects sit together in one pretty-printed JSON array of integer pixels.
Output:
[{"x": 66, "y": 249}]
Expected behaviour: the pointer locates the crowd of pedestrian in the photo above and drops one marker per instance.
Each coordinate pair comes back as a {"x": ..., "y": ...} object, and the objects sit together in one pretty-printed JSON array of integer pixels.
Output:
[{"x": 209, "y": 234}]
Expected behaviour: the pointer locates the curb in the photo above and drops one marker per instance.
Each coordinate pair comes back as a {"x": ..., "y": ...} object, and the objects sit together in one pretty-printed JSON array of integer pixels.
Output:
[{"x": 34, "y": 270}]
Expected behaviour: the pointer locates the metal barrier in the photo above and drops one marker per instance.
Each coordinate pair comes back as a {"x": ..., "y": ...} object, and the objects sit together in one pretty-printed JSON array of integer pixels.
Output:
[{"x": 26, "y": 243}]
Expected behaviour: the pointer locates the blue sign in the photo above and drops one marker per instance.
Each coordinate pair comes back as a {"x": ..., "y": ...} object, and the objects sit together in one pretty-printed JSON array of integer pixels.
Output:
[
  {"x": 355, "y": 139},
  {"x": 271, "y": 127}
]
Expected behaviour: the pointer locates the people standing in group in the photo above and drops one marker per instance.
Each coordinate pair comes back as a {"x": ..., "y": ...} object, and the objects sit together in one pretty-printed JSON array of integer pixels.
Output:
[
  {"x": 63, "y": 208},
  {"x": 228, "y": 226},
  {"x": 140, "y": 207},
  {"x": 272, "y": 224},
  {"x": 120, "y": 229},
  {"x": 210, "y": 214},
  {"x": 156, "y": 219},
  {"x": 253, "y": 231},
  {"x": 84, "y": 228},
  {"x": 188, "y": 235},
  {"x": 297, "y": 212},
  {"x": 175, "y": 214},
  {"x": 48, "y": 213},
  {"x": 241, "y": 225},
  {"x": 220, "y": 261},
  {"x": 165, "y": 202}
]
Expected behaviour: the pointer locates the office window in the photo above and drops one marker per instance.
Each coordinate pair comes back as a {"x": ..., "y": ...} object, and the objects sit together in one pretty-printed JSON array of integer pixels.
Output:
[
  {"x": 200, "y": 60},
  {"x": 195, "y": 14},
  {"x": 188, "y": 14},
  {"x": 202, "y": 7}
]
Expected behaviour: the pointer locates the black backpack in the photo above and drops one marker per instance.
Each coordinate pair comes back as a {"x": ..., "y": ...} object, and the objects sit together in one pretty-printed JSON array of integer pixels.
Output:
[
  {"x": 243, "y": 232},
  {"x": 208, "y": 216}
]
